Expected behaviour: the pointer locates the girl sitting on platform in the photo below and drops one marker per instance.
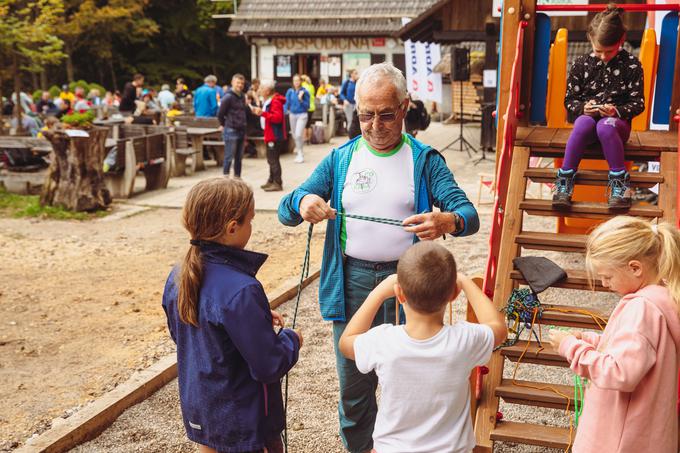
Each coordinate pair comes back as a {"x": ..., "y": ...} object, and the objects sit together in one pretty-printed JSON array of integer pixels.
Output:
[
  {"x": 630, "y": 405},
  {"x": 604, "y": 93},
  {"x": 229, "y": 359}
]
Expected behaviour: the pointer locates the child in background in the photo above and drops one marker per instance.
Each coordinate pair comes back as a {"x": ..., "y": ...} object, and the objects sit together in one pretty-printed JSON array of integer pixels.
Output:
[
  {"x": 229, "y": 359},
  {"x": 604, "y": 93},
  {"x": 423, "y": 366},
  {"x": 630, "y": 405}
]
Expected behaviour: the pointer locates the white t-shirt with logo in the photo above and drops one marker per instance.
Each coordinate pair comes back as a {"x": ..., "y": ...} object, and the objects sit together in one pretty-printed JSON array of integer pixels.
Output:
[
  {"x": 425, "y": 399},
  {"x": 378, "y": 185}
]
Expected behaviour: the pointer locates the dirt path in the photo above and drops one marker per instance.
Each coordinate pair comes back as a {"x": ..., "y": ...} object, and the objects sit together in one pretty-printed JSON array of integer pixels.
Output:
[{"x": 80, "y": 306}]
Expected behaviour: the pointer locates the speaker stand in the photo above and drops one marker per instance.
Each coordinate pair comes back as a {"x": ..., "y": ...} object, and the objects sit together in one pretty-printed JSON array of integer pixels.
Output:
[{"x": 461, "y": 140}]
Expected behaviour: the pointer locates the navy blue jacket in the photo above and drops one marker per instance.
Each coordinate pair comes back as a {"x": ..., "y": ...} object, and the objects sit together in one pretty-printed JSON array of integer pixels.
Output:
[
  {"x": 230, "y": 367},
  {"x": 347, "y": 91}
]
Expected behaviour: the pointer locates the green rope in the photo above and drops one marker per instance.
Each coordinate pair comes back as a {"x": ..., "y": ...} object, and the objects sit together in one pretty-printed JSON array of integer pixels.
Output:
[
  {"x": 373, "y": 219},
  {"x": 578, "y": 396}
]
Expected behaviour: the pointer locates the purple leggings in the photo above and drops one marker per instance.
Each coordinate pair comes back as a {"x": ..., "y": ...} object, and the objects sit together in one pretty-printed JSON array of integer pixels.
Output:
[{"x": 612, "y": 133}]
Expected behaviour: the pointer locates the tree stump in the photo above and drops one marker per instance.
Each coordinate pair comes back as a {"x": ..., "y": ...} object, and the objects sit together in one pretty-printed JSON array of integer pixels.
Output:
[{"x": 75, "y": 180}]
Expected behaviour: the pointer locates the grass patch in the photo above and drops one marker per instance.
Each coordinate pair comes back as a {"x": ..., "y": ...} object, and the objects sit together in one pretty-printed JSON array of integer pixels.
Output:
[{"x": 18, "y": 206}]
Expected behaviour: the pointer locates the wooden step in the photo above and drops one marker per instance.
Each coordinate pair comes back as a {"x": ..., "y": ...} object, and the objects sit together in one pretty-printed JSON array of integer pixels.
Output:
[
  {"x": 531, "y": 396},
  {"x": 530, "y": 434},
  {"x": 588, "y": 210},
  {"x": 535, "y": 240},
  {"x": 550, "y": 142},
  {"x": 535, "y": 354},
  {"x": 592, "y": 177},
  {"x": 576, "y": 279},
  {"x": 572, "y": 319}
]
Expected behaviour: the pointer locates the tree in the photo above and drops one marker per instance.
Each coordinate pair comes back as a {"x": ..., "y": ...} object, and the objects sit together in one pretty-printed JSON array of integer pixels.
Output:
[
  {"x": 95, "y": 24},
  {"x": 27, "y": 38}
]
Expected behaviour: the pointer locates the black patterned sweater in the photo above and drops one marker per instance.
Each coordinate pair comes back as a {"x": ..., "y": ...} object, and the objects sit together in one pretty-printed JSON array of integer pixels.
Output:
[{"x": 618, "y": 82}]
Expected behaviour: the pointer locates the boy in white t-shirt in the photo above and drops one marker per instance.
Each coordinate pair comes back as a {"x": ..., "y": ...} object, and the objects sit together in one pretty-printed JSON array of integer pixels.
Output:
[{"x": 423, "y": 366}]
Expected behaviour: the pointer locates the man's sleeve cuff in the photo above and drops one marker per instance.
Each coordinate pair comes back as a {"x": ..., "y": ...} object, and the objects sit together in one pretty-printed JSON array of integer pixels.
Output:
[{"x": 297, "y": 199}]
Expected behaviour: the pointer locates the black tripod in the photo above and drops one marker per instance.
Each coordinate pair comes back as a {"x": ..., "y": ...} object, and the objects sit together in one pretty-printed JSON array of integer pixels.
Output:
[{"x": 464, "y": 144}]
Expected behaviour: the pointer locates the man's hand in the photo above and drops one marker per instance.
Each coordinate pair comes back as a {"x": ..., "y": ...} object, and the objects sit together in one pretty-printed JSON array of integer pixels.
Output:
[
  {"x": 277, "y": 319},
  {"x": 256, "y": 111},
  {"x": 431, "y": 225},
  {"x": 314, "y": 209}
]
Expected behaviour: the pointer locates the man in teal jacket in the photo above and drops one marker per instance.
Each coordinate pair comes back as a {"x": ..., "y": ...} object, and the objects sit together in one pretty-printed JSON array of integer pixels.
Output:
[{"x": 383, "y": 173}]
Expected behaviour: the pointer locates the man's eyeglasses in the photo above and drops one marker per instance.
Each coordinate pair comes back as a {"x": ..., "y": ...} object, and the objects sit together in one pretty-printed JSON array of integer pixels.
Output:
[{"x": 386, "y": 117}]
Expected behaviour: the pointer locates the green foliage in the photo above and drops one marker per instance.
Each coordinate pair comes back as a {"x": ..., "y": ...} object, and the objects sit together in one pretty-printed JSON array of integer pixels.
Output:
[
  {"x": 13, "y": 205},
  {"x": 27, "y": 32},
  {"x": 80, "y": 84},
  {"x": 37, "y": 94},
  {"x": 54, "y": 91},
  {"x": 96, "y": 86},
  {"x": 79, "y": 119}
]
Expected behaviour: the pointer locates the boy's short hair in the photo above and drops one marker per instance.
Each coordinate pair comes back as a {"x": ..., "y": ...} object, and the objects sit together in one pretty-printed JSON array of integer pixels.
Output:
[{"x": 427, "y": 274}]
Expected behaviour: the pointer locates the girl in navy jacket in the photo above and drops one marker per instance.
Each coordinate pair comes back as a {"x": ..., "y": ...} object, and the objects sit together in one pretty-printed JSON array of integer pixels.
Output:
[{"x": 230, "y": 361}]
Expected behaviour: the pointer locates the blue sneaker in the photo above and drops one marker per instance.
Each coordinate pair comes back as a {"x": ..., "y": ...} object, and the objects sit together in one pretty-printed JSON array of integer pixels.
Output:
[
  {"x": 618, "y": 190},
  {"x": 564, "y": 189}
]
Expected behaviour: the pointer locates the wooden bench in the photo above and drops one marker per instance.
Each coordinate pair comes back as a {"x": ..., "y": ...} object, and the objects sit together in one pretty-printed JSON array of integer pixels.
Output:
[
  {"x": 149, "y": 154},
  {"x": 182, "y": 151}
]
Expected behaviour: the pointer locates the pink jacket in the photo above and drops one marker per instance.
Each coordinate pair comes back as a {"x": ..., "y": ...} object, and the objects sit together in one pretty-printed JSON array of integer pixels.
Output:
[{"x": 630, "y": 405}]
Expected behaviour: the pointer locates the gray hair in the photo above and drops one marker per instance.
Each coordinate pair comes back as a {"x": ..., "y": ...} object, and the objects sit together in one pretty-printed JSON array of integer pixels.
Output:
[
  {"x": 165, "y": 87},
  {"x": 268, "y": 83},
  {"x": 382, "y": 71},
  {"x": 210, "y": 78}
]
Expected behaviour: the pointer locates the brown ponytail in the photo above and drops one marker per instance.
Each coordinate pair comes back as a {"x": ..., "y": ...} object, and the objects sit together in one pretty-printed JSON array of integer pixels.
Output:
[
  {"x": 209, "y": 207},
  {"x": 607, "y": 27}
]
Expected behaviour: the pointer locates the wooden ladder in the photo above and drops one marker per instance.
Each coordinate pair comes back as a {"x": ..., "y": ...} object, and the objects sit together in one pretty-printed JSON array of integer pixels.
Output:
[{"x": 548, "y": 142}]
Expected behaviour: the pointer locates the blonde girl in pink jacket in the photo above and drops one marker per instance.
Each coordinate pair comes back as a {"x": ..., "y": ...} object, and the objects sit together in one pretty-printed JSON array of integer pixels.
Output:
[{"x": 630, "y": 405}]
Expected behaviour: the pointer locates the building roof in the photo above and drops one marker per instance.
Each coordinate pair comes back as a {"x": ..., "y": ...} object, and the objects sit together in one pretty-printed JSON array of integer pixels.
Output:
[{"x": 303, "y": 18}]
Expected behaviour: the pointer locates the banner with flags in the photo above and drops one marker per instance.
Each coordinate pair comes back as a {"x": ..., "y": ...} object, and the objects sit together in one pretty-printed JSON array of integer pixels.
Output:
[{"x": 421, "y": 80}]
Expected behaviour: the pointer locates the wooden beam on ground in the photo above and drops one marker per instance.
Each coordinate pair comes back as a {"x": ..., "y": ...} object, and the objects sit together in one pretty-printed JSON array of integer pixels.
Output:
[{"x": 92, "y": 420}]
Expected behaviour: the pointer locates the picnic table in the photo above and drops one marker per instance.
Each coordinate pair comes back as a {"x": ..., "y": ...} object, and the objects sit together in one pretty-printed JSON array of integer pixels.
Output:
[
  {"x": 197, "y": 135},
  {"x": 114, "y": 123}
]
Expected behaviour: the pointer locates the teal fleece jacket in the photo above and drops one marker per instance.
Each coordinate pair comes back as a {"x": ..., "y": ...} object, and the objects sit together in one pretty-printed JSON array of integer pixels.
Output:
[{"x": 436, "y": 187}]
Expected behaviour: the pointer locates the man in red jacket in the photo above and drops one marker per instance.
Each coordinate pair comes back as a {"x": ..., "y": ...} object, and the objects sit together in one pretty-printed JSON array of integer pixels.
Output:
[{"x": 275, "y": 135}]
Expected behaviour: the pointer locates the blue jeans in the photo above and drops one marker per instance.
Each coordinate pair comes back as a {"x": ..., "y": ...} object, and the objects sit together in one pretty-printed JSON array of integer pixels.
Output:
[
  {"x": 234, "y": 141},
  {"x": 357, "y": 406}
]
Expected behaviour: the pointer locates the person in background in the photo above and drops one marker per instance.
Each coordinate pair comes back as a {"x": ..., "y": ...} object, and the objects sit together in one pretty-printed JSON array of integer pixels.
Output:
[
  {"x": 323, "y": 88},
  {"x": 346, "y": 96},
  {"x": 297, "y": 104},
  {"x": 129, "y": 96},
  {"x": 81, "y": 104},
  {"x": 26, "y": 102},
  {"x": 253, "y": 123},
  {"x": 275, "y": 134},
  {"x": 94, "y": 96},
  {"x": 64, "y": 108},
  {"x": 165, "y": 97},
  {"x": 45, "y": 106},
  {"x": 175, "y": 110},
  {"x": 309, "y": 86},
  {"x": 220, "y": 92},
  {"x": 66, "y": 94},
  {"x": 205, "y": 98},
  {"x": 232, "y": 118},
  {"x": 181, "y": 90}
]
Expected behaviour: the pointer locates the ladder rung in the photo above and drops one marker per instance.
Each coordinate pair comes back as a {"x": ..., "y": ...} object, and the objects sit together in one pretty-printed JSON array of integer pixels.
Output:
[
  {"x": 571, "y": 319},
  {"x": 576, "y": 279},
  {"x": 588, "y": 210},
  {"x": 526, "y": 393},
  {"x": 593, "y": 177},
  {"x": 545, "y": 355},
  {"x": 530, "y": 434},
  {"x": 552, "y": 241}
]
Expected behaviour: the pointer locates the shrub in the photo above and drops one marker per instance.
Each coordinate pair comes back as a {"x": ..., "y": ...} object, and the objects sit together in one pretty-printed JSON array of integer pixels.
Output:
[
  {"x": 37, "y": 94},
  {"x": 54, "y": 91},
  {"x": 79, "y": 119}
]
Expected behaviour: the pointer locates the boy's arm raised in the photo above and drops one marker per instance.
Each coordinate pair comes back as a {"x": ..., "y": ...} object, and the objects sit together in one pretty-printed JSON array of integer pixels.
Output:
[
  {"x": 363, "y": 318},
  {"x": 484, "y": 309}
]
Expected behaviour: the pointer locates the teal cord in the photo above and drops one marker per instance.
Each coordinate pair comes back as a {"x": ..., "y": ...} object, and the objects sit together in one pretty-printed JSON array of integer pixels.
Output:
[{"x": 373, "y": 219}]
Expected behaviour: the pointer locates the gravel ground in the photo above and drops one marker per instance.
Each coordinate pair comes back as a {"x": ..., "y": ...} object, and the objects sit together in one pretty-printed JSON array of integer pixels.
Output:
[{"x": 155, "y": 425}]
